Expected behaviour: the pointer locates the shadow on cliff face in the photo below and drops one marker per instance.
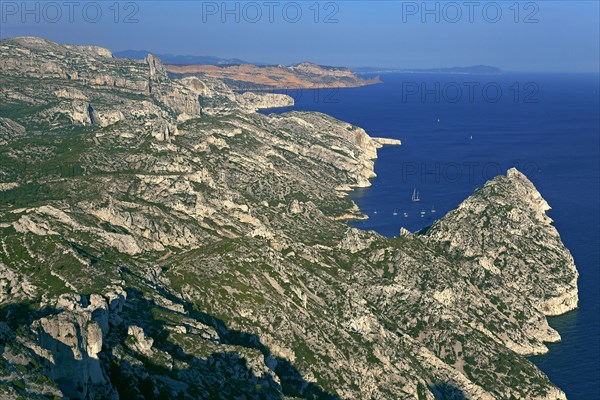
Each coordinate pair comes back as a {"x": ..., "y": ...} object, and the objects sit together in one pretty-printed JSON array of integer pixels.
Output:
[
  {"x": 223, "y": 374},
  {"x": 219, "y": 376},
  {"x": 292, "y": 382},
  {"x": 75, "y": 376},
  {"x": 15, "y": 319},
  {"x": 15, "y": 316},
  {"x": 446, "y": 391},
  {"x": 22, "y": 314}
]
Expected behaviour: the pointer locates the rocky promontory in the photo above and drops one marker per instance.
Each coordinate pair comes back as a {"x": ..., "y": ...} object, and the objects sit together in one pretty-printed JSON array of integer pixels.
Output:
[{"x": 300, "y": 76}]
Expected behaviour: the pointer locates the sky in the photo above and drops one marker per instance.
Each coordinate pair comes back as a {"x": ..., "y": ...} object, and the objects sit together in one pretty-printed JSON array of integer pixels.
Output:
[{"x": 547, "y": 35}]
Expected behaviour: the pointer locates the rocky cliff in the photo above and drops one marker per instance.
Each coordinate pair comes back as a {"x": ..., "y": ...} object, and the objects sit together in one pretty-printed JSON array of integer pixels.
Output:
[
  {"x": 506, "y": 240},
  {"x": 170, "y": 242}
]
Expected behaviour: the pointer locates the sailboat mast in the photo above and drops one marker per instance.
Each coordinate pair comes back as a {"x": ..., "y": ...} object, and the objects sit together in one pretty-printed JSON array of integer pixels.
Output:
[{"x": 415, "y": 196}]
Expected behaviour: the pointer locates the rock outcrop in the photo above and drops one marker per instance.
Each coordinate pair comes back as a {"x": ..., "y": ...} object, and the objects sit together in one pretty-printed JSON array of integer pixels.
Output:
[
  {"x": 256, "y": 101},
  {"x": 515, "y": 241},
  {"x": 93, "y": 88},
  {"x": 74, "y": 337}
]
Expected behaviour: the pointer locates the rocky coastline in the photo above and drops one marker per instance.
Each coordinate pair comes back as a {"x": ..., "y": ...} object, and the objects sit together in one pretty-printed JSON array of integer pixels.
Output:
[{"x": 158, "y": 237}]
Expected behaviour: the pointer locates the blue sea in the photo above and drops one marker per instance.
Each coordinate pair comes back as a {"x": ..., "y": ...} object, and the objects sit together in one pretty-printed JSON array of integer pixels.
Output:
[{"x": 458, "y": 131}]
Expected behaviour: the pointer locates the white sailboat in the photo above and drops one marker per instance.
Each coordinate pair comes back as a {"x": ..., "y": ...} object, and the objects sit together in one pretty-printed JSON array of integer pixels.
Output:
[
  {"x": 395, "y": 212},
  {"x": 433, "y": 209},
  {"x": 405, "y": 215},
  {"x": 415, "y": 196},
  {"x": 422, "y": 213}
]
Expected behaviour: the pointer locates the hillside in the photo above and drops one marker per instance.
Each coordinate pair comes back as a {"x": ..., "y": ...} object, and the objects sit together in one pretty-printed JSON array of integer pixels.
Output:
[{"x": 160, "y": 239}]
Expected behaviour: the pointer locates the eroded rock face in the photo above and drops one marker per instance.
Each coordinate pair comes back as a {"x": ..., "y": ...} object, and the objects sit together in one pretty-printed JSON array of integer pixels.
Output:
[
  {"x": 140, "y": 342},
  {"x": 74, "y": 338},
  {"x": 204, "y": 255},
  {"x": 255, "y": 101},
  {"x": 93, "y": 50},
  {"x": 514, "y": 240}
]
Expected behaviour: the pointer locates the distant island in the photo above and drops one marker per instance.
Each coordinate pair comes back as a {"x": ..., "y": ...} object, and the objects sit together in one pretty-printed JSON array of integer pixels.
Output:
[
  {"x": 469, "y": 70},
  {"x": 300, "y": 76}
]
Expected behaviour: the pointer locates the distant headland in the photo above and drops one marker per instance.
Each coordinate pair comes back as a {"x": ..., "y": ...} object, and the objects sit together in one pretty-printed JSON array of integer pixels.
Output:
[
  {"x": 305, "y": 75},
  {"x": 469, "y": 70}
]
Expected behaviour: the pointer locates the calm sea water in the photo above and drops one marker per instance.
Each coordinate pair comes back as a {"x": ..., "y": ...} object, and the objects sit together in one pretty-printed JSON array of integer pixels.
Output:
[{"x": 458, "y": 131}]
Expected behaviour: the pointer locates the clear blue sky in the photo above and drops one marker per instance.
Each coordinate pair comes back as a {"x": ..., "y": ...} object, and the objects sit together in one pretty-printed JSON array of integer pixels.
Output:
[{"x": 540, "y": 36}]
